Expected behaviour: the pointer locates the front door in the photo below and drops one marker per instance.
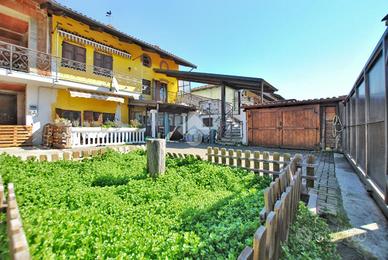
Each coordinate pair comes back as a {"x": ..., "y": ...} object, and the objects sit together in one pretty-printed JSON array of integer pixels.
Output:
[{"x": 8, "y": 109}]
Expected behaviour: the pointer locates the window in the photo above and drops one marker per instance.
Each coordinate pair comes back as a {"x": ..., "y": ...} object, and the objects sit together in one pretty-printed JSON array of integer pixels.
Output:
[
  {"x": 164, "y": 65},
  {"x": 73, "y": 116},
  {"x": 207, "y": 122},
  {"x": 103, "y": 64},
  {"x": 163, "y": 92},
  {"x": 73, "y": 56},
  {"x": 146, "y": 88},
  {"x": 146, "y": 60},
  {"x": 92, "y": 118},
  {"x": 108, "y": 117}
]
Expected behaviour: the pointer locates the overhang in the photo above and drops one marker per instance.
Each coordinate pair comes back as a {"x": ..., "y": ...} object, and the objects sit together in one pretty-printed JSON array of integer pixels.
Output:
[
  {"x": 294, "y": 102},
  {"x": 236, "y": 82},
  {"x": 161, "y": 106},
  {"x": 53, "y": 7}
]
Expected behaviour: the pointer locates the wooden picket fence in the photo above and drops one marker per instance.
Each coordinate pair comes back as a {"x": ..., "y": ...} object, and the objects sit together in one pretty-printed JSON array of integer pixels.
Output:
[
  {"x": 281, "y": 201},
  {"x": 281, "y": 198},
  {"x": 17, "y": 241},
  {"x": 182, "y": 155},
  {"x": 259, "y": 162}
]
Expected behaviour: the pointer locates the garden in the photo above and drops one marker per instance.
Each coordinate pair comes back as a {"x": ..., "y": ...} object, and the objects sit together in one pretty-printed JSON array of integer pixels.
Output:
[{"x": 109, "y": 207}]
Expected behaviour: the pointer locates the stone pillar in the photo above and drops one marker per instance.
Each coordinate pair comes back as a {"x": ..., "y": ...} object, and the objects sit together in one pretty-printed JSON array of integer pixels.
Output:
[
  {"x": 156, "y": 157},
  {"x": 153, "y": 122},
  {"x": 184, "y": 127}
]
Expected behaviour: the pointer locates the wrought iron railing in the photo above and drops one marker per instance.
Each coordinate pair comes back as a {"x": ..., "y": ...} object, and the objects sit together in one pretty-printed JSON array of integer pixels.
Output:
[{"x": 21, "y": 59}]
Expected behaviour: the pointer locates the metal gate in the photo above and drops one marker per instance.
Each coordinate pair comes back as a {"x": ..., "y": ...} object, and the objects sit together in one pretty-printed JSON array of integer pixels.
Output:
[{"x": 287, "y": 127}]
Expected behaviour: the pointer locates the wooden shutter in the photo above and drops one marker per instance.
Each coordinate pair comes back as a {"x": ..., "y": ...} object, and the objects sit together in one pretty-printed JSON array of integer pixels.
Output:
[
  {"x": 108, "y": 62},
  {"x": 80, "y": 54},
  {"x": 98, "y": 59},
  {"x": 88, "y": 116},
  {"x": 67, "y": 51}
]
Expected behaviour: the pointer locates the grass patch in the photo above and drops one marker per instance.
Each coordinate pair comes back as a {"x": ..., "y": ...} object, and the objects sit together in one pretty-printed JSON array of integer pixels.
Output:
[
  {"x": 309, "y": 238},
  {"x": 108, "y": 207}
]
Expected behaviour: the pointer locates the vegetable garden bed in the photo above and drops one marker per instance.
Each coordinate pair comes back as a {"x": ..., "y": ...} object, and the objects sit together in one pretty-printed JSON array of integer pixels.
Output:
[{"x": 107, "y": 206}]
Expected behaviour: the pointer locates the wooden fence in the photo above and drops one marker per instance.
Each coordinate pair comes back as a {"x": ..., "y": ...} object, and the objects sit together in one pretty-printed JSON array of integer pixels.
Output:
[
  {"x": 17, "y": 241},
  {"x": 259, "y": 162},
  {"x": 281, "y": 198},
  {"x": 181, "y": 155},
  {"x": 15, "y": 135}
]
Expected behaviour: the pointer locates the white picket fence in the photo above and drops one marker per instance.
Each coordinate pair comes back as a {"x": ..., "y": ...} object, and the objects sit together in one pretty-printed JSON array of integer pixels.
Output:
[{"x": 96, "y": 136}]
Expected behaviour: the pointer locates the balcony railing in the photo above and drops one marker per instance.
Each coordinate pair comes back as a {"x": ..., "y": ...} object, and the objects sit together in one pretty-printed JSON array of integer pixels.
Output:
[{"x": 21, "y": 59}]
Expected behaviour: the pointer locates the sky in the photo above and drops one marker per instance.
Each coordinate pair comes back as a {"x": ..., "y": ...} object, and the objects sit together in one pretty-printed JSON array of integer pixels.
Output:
[{"x": 304, "y": 48}]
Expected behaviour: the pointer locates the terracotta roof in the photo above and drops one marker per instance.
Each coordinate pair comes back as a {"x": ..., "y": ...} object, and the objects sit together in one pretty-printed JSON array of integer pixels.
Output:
[
  {"x": 294, "y": 102},
  {"x": 54, "y": 6}
]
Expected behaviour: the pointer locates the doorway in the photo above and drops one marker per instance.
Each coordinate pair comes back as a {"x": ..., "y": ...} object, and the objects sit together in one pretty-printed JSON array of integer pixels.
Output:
[{"x": 8, "y": 109}]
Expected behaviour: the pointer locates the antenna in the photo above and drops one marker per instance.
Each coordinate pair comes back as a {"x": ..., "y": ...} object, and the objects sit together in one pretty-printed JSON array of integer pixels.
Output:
[{"x": 109, "y": 15}]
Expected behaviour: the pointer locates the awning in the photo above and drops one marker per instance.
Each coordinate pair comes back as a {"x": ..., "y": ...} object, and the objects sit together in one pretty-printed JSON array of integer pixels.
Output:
[{"x": 74, "y": 93}]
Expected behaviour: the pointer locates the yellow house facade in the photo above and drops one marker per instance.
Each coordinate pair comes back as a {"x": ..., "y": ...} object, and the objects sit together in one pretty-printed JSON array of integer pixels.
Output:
[{"x": 120, "y": 66}]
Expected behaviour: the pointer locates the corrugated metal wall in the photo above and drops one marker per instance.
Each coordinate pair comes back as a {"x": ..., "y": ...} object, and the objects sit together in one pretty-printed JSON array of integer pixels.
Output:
[{"x": 365, "y": 121}]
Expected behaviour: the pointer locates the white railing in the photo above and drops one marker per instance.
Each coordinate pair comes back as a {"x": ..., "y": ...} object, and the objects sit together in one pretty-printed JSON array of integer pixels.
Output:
[{"x": 96, "y": 136}]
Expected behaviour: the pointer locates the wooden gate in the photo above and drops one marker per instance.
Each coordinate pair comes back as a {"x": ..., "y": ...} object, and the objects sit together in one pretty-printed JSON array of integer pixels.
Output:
[{"x": 288, "y": 127}]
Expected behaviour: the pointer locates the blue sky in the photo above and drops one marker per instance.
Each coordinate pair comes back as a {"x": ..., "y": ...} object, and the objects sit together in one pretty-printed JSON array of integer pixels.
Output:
[{"x": 305, "y": 48}]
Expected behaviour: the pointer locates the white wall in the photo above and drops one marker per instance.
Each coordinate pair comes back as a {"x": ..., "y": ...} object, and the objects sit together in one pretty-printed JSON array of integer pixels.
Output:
[
  {"x": 42, "y": 97},
  {"x": 195, "y": 122}
]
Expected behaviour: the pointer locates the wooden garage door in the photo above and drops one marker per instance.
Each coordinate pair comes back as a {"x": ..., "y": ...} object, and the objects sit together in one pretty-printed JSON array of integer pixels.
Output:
[
  {"x": 289, "y": 127},
  {"x": 264, "y": 127}
]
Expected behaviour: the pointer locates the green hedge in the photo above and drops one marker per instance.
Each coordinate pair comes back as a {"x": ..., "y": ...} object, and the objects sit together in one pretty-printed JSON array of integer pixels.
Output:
[{"x": 108, "y": 207}]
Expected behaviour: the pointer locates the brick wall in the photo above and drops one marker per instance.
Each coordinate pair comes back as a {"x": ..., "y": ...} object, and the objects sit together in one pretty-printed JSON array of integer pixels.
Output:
[{"x": 38, "y": 20}]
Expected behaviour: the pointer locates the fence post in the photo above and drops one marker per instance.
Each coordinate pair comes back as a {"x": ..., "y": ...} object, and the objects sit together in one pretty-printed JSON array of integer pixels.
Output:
[
  {"x": 231, "y": 159},
  {"x": 269, "y": 225},
  {"x": 276, "y": 157},
  {"x": 310, "y": 171},
  {"x": 259, "y": 243},
  {"x": 286, "y": 159},
  {"x": 239, "y": 155},
  {"x": 215, "y": 149},
  {"x": 248, "y": 159},
  {"x": 256, "y": 164},
  {"x": 246, "y": 254},
  {"x": 223, "y": 156},
  {"x": 209, "y": 154},
  {"x": 266, "y": 164},
  {"x": 156, "y": 157}
]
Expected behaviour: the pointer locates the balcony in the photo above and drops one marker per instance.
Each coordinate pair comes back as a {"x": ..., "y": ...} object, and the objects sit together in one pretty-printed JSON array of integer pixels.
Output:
[{"x": 15, "y": 58}]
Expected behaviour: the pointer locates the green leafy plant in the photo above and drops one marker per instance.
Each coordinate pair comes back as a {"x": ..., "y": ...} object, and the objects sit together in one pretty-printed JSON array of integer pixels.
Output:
[
  {"x": 309, "y": 238},
  {"x": 108, "y": 207}
]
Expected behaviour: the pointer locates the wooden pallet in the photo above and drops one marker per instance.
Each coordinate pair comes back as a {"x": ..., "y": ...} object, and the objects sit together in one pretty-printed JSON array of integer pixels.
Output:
[{"x": 15, "y": 135}]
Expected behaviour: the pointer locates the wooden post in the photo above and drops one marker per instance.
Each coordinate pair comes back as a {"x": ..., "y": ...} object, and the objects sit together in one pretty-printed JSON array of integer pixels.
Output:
[
  {"x": 265, "y": 164},
  {"x": 276, "y": 157},
  {"x": 259, "y": 243},
  {"x": 223, "y": 156},
  {"x": 156, "y": 157},
  {"x": 215, "y": 149},
  {"x": 209, "y": 154},
  {"x": 310, "y": 170},
  {"x": 256, "y": 164},
  {"x": 231, "y": 159},
  {"x": 248, "y": 159},
  {"x": 246, "y": 254},
  {"x": 269, "y": 225},
  {"x": 279, "y": 227},
  {"x": 239, "y": 155},
  {"x": 286, "y": 158}
]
